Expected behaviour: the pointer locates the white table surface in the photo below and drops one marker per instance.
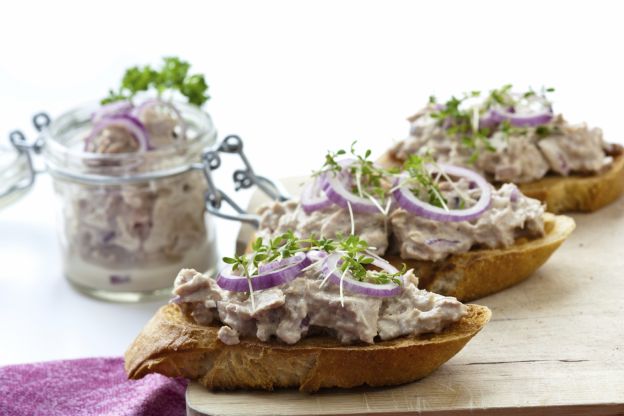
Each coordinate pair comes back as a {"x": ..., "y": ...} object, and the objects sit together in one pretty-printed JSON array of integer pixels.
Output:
[{"x": 294, "y": 79}]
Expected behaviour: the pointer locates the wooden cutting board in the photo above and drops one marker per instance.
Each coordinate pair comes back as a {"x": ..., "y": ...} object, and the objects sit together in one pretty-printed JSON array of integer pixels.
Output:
[{"x": 555, "y": 345}]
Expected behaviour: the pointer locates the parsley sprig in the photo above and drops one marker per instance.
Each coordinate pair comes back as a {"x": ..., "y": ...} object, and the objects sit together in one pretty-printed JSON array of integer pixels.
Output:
[{"x": 173, "y": 75}]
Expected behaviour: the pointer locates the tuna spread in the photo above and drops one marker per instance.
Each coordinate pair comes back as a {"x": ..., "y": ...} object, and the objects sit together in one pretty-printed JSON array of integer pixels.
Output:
[
  {"x": 303, "y": 308},
  {"x": 278, "y": 218},
  {"x": 511, "y": 215},
  {"x": 509, "y": 154}
]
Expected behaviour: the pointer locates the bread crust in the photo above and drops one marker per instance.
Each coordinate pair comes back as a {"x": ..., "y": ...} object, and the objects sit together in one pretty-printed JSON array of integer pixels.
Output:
[
  {"x": 481, "y": 272},
  {"x": 574, "y": 193},
  {"x": 173, "y": 345}
]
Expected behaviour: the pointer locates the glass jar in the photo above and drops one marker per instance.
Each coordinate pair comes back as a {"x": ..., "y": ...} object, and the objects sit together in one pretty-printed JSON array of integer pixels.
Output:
[
  {"x": 15, "y": 174},
  {"x": 128, "y": 222}
]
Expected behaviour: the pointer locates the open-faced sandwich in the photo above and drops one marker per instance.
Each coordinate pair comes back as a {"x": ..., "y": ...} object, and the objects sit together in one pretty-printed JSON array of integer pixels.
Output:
[
  {"x": 516, "y": 137},
  {"x": 303, "y": 313},
  {"x": 463, "y": 237}
]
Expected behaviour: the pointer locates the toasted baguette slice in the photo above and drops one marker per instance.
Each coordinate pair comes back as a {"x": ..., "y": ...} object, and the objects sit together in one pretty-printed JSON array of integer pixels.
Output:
[
  {"x": 481, "y": 272},
  {"x": 568, "y": 193},
  {"x": 173, "y": 345}
]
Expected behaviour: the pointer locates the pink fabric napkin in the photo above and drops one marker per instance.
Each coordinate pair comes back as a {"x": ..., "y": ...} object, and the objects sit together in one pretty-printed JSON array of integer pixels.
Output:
[{"x": 91, "y": 386}]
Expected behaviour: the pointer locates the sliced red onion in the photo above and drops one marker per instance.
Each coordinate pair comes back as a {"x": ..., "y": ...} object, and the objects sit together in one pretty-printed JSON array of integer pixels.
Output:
[
  {"x": 116, "y": 108},
  {"x": 152, "y": 102},
  {"x": 488, "y": 120},
  {"x": 522, "y": 120},
  {"x": 313, "y": 198},
  {"x": 335, "y": 188},
  {"x": 330, "y": 267},
  {"x": 117, "y": 279},
  {"x": 177, "y": 300},
  {"x": 408, "y": 201},
  {"x": 128, "y": 122},
  {"x": 316, "y": 255},
  {"x": 273, "y": 275},
  {"x": 514, "y": 195}
]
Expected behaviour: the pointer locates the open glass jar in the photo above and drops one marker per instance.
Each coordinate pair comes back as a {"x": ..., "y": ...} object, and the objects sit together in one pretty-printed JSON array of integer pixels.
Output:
[{"x": 128, "y": 222}]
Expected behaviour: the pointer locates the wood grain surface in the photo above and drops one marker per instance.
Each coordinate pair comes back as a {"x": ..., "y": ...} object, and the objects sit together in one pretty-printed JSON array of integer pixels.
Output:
[{"x": 555, "y": 345}]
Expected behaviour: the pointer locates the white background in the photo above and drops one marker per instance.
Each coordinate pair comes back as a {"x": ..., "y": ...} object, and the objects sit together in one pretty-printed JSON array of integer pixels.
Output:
[{"x": 293, "y": 79}]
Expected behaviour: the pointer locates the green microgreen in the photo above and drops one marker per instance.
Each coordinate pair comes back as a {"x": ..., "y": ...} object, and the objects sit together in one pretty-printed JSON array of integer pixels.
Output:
[
  {"x": 354, "y": 257},
  {"x": 458, "y": 119},
  {"x": 421, "y": 180},
  {"x": 369, "y": 179}
]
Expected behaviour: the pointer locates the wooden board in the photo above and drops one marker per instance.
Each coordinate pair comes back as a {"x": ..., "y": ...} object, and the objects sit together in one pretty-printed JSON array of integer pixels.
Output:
[{"x": 555, "y": 345}]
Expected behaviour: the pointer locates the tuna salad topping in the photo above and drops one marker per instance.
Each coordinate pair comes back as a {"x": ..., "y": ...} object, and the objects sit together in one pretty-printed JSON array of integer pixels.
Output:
[
  {"x": 346, "y": 263},
  {"x": 511, "y": 215},
  {"x": 290, "y": 288},
  {"x": 305, "y": 307},
  {"x": 506, "y": 136},
  {"x": 432, "y": 211}
]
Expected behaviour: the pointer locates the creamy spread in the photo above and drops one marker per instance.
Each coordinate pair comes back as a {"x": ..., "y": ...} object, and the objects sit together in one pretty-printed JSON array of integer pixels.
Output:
[
  {"x": 277, "y": 218},
  {"x": 522, "y": 155},
  {"x": 303, "y": 308},
  {"x": 511, "y": 215},
  {"x": 130, "y": 236}
]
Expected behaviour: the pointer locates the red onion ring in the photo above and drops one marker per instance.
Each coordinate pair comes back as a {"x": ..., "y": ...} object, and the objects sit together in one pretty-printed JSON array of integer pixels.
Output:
[
  {"x": 282, "y": 272},
  {"x": 408, "y": 201},
  {"x": 330, "y": 267},
  {"x": 522, "y": 120},
  {"x": 313, "y": 198},
  {"x": 131, "y": 124},
  {"x": 488, "y": 121},
  {"x": 316, "y": 255},
  {"x": 152, "y": 102},
  {"x": 336, "y": 190},
  {"x": 112, "y": 109}
]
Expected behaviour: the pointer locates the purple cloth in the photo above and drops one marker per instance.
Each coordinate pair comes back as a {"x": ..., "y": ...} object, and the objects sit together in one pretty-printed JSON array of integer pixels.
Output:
[{"x": 90, "y": 386}]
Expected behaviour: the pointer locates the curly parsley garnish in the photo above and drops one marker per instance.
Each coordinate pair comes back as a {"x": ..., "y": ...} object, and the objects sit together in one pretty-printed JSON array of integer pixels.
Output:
[{"x": 173, "y": 75}]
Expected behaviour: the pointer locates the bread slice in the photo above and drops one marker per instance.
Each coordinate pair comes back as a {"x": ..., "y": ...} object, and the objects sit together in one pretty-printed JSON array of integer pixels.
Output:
[
  {"x": 481, "y": 272},
  {"x": 173, "y": 345},
  {"x": 580, "y": 193}
]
